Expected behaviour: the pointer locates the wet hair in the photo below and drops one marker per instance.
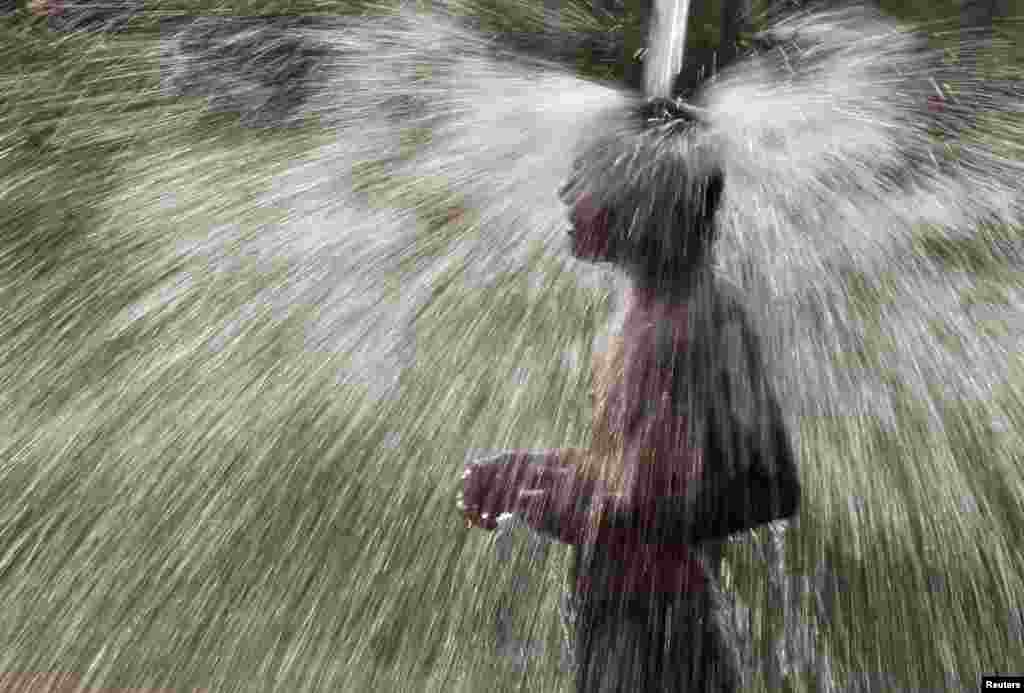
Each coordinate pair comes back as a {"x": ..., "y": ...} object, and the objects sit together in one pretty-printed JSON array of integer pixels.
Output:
[{"x": 659, "y": 183}]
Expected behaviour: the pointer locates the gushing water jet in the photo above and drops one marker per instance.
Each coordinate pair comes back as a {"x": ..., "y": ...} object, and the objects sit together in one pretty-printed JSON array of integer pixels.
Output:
[
  {"x": 274, "y": 362},
  {"x": 666, "y": 47}
]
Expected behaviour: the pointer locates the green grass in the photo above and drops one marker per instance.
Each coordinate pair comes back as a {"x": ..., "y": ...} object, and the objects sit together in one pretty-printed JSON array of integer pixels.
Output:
[{"x": 180, "y": 511}]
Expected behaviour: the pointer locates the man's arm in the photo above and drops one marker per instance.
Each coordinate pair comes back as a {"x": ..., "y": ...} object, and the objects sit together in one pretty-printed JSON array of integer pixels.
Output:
[
  {"x": 749, "y": 472},
  {"x": 492, "y": 486},
  {"x": 749, "y": 467},
  {"x": 560, "y": 509},
  {"x": 763, "y": 490}
]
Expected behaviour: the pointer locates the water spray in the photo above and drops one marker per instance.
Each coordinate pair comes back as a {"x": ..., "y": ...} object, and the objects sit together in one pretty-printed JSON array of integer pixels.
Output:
[
  {"x": 222, "y": 356},
  {"x": 663, "y": 60}
]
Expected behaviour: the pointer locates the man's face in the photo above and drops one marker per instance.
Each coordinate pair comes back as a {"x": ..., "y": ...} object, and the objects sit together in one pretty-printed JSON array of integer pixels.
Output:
[{"x": 589, "y": 234}]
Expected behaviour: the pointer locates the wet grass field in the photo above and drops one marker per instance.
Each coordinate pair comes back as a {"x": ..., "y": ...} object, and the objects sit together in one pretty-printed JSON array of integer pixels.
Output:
[{"x": 203, "y": 486}]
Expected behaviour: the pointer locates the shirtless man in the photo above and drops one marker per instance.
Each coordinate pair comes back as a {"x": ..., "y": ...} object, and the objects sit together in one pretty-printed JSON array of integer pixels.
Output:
[{"x": 689, "y": 444}]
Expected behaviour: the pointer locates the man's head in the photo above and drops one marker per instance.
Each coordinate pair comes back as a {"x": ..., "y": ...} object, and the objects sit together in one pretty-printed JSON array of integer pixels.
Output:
[{"x": 644, "y": 197}]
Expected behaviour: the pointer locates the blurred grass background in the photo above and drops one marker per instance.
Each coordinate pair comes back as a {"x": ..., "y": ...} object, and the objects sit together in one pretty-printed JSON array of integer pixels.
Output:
[{"x": 183, "y": 509}]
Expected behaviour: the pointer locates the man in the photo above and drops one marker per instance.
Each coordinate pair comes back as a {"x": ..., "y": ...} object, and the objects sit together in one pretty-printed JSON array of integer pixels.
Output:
[{"x": 689, "y": 443}]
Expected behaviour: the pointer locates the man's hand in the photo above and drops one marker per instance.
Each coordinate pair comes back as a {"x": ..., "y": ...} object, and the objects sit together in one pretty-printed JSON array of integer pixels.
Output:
[
  {"x": 480, "y": 498},
  {"x": 491, "y": 487}
]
